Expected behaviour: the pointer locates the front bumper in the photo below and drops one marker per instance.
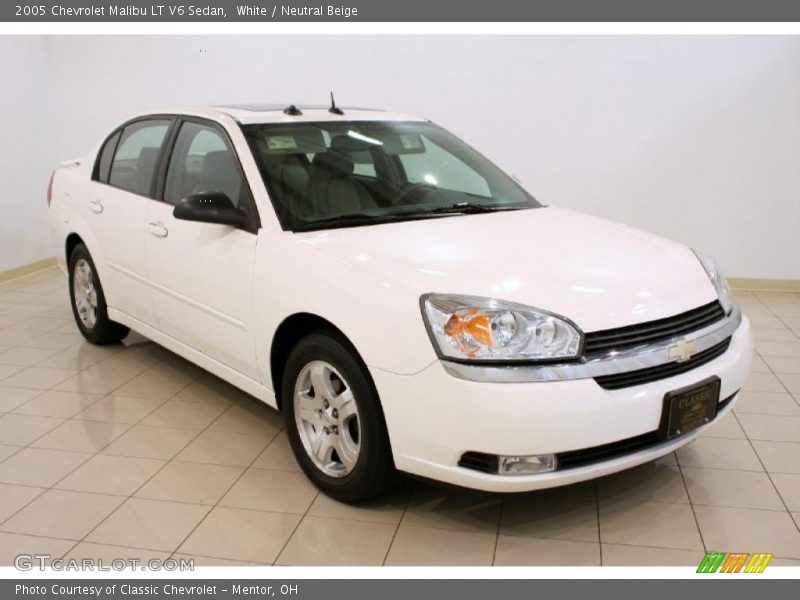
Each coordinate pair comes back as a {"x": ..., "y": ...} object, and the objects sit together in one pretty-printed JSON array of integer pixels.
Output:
[{"x": 433, "y": 418}]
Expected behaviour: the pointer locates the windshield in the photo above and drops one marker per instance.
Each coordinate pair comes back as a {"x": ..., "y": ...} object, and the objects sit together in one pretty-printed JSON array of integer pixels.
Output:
[{"x": 341, "y": 174}]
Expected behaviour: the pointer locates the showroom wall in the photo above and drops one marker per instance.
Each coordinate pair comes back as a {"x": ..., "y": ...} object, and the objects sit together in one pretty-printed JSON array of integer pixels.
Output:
[
  {"x": 695, "y": 138},
  {"x": 28, "y": 151}
]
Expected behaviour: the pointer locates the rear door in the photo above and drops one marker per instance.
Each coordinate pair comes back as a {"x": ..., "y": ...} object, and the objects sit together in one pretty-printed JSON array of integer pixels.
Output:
[
  {"x": 118, "y": 199},
  {"x": 201, "y": 274}
]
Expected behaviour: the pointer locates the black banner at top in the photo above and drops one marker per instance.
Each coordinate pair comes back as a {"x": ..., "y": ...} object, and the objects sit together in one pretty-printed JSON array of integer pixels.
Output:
[{"x": 400, "y": 11}]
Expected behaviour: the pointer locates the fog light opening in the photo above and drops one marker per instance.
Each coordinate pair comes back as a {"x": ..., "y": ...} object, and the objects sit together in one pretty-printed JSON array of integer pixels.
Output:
[{"x": 527, "y": 465}]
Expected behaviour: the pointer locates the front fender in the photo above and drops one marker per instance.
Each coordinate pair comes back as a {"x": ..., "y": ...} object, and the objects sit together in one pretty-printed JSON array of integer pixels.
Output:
[{"x": 380, "y": 317}]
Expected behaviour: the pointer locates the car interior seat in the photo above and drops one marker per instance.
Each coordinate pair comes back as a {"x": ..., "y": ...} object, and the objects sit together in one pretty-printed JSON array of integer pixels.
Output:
[
  {"x": 218, "y": 173},
  {"x": 145, "y": 166},
  {"x": 333, "y": 189},
  {"x": 289, "y": 174}
]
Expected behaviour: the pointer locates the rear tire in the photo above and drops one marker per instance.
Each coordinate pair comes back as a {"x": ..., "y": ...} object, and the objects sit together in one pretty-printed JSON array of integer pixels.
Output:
[
  {"x": 334, "y": 420},
  {"x": 88, "y": 301}
]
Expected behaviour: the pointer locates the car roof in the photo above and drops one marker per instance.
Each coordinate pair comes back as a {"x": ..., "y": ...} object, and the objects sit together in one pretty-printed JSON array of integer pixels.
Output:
[{"x": 280, "y": 113}]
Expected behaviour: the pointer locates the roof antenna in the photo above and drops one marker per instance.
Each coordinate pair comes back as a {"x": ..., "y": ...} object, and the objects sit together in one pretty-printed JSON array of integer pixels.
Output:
[
  {"x": 334, "y": 109},
  {"x": 292, "y": 110}
]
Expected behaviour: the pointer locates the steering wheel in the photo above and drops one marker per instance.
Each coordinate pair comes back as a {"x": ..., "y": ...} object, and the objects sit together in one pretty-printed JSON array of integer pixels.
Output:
[{"x": 412, "y": 189}]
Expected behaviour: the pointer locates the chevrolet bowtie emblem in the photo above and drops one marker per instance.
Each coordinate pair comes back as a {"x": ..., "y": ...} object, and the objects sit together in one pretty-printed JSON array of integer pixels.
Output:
[{"x": 681, "y": 350}]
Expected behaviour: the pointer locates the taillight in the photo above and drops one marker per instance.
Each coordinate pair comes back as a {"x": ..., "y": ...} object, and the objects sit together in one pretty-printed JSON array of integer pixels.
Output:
[{"x": 50, "y": 189}]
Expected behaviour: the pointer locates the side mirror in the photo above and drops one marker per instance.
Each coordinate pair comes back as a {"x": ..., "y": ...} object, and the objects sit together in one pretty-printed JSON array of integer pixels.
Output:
[{"x": 210, "y": 207}]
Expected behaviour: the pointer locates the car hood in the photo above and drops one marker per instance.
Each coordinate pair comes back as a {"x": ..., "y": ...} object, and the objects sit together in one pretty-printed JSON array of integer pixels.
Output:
[{"x": 596, "y": 272}]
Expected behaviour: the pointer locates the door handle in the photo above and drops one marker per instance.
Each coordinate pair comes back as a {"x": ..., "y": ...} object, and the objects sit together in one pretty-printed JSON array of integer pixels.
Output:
[
  {"x": 96, "y": 206},
  {"x": 157, "y": 229}
]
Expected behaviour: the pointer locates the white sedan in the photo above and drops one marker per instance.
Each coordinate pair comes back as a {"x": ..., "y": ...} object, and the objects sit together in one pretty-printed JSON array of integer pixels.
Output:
[{"x": 407, "y": 305}]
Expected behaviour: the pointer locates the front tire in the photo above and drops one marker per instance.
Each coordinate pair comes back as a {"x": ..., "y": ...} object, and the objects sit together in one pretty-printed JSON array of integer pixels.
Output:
[
  {"x": 334, "y": 420},
  {"x": 88, "y": 301}
]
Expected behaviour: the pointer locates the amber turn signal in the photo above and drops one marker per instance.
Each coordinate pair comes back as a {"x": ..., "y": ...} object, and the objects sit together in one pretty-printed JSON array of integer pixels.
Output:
[{"x": 473, "y": 324}]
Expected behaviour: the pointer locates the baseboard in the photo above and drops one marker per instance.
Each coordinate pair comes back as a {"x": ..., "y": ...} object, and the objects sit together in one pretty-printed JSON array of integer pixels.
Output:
[
  {"x": 765, "y": 285},
  {"x": 33, "y": 267}
]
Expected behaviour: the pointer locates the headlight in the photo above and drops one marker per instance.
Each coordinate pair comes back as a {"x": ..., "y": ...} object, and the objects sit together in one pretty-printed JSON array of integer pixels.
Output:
[
  {"x": 482, "y": 329},
  {"x": 718, "y": 280}
]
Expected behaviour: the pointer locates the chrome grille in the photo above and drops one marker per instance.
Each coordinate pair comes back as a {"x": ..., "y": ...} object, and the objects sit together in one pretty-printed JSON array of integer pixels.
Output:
[{"x": 641, "y": 376}]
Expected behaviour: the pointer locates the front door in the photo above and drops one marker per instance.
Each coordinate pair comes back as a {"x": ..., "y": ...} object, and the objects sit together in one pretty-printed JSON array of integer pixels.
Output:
[{"x": 201, "y": 274}]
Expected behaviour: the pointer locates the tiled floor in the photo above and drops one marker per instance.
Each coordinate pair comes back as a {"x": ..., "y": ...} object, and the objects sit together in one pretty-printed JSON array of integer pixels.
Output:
[{"x": 130, "y": 451}]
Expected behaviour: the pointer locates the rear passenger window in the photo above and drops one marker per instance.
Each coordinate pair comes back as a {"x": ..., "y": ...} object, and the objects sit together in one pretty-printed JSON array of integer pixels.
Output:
[
  {"x": 137, "y": 152},
  {"x": 202, "y": 161},
  {"x": 106, "y": 154}
]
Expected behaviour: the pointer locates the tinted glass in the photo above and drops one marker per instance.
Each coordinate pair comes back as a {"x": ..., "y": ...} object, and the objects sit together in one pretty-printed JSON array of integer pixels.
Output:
[
  {"x": 135, "y": 160},
  {"x": 324, "y": 174},
  {"x": 106, "y": 154},
  {"x": 202, "y": 161}
]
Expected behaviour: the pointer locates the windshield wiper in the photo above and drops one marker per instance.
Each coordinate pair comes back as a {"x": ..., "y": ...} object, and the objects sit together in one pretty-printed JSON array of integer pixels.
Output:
[
  {"x": 345, "y": 220},
  {"x": 466, "y": 208},
  {"x": 356, "y": 219}
]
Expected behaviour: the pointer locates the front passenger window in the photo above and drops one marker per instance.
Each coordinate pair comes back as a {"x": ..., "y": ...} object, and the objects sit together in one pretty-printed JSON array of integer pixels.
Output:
[
  {"x": 202, "y": 161},
  {"x": 136, "y": 156}
]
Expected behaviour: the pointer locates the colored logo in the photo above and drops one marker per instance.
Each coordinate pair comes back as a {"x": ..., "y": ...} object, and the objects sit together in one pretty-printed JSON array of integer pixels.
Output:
[{"x": 734, "y": 562}]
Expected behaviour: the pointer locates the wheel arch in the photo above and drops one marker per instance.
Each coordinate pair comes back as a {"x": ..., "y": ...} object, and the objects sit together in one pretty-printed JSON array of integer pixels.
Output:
[
  {"x": 81, "y": 235},
  {"x": 291, "y": 330},
  {"x": 73, "y": 239}
]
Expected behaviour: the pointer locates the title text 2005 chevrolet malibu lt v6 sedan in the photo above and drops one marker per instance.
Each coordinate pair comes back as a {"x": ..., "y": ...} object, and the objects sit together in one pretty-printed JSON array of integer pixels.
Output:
[{"x": 404, "y": 303}]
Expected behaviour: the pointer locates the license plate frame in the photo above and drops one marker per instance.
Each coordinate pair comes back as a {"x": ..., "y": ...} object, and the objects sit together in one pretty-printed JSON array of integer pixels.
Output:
[{"x": 688, "y": 408}]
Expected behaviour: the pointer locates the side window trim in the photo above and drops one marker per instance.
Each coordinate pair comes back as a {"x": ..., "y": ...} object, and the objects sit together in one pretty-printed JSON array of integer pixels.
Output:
[
  {"x": 160, "y": 173},
  {"x": 166, "y": 156},
  {"x": 121, "y": 130}
]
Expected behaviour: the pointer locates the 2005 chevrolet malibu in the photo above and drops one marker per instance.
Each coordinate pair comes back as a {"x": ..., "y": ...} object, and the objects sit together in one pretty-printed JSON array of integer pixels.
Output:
[{"x": 404, "y": 303}]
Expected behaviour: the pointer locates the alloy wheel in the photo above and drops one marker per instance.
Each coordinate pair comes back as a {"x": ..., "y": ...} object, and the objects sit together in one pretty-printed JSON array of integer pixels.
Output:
[
  {"x": 327, "y": 418},
  {"x": 85, "y": 293}
]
